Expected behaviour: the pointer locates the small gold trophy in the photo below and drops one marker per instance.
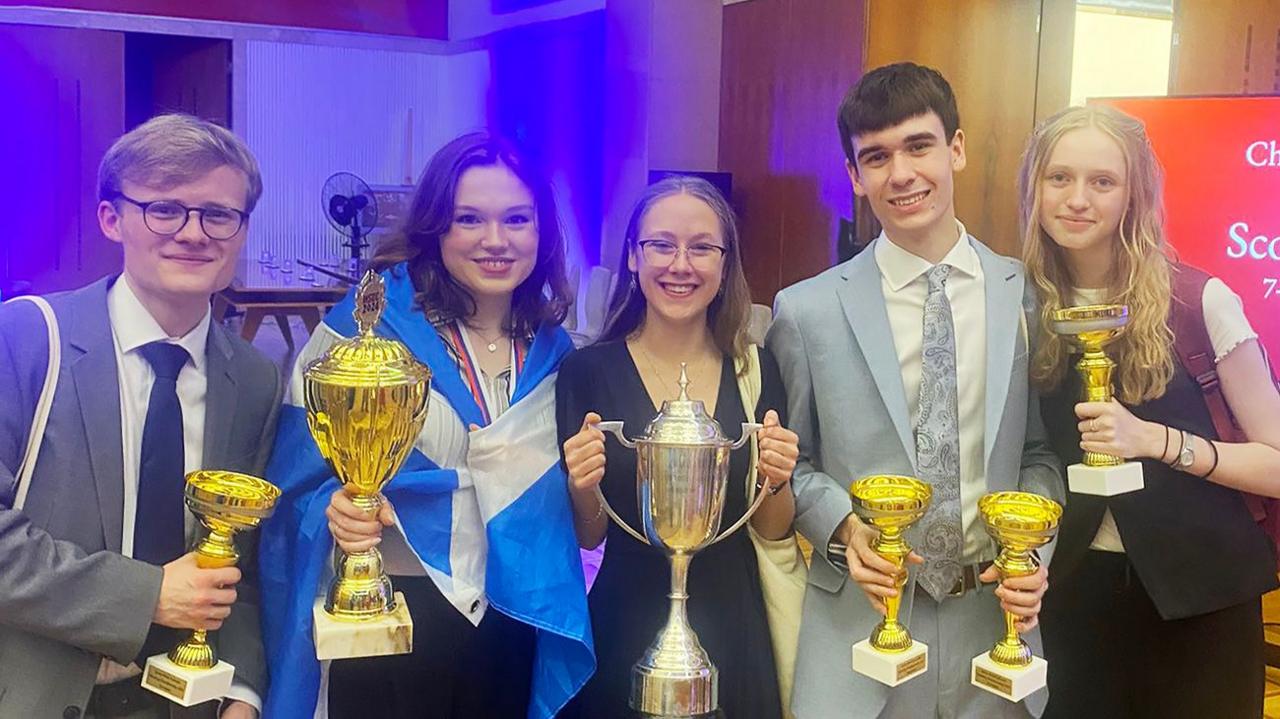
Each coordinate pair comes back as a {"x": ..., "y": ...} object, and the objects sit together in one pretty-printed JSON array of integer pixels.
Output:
[
  {"x": 225, "y": 502},
  {"x": 1019, "y": 522},
  {"x": 891, "y": 504},
  {"x": 366, "y": 400},
  {"x": 1090, "y": 328}
]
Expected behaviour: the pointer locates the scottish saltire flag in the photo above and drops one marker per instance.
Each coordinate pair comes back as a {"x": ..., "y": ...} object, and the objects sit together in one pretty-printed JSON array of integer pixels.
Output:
[{"x": 486, "y": 515}]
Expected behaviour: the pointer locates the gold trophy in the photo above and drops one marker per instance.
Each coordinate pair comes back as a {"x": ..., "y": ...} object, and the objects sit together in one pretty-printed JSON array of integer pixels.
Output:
[
  {"x": 225, "y": 502},
  {"x": 366, "y": 400},
  {"x": 682, "y": 473},
  {"x": 1019, "y": 522},
  {"x": 1090, "y": 328},
  {"x": 891, "y": 503}
]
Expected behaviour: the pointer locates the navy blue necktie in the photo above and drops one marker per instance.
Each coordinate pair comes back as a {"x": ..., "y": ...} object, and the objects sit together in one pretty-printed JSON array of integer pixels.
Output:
[{"x": 158, "y": 526}]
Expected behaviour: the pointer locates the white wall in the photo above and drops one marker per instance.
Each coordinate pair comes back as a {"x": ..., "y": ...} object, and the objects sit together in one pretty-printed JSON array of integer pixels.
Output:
[
  {"x": 312, "y": 110},
  {"x": 474, "y": 18}
]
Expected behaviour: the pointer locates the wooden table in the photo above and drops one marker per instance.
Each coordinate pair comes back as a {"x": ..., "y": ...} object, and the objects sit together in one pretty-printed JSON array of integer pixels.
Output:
[{"x": 259, "y": 291}]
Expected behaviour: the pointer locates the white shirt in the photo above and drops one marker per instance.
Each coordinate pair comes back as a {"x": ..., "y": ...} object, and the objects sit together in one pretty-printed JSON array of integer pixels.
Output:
[
  {"x": 1225, "y": 319},
  {"x": 906, "y": 286},
  {"x": 132, "y": 326}
]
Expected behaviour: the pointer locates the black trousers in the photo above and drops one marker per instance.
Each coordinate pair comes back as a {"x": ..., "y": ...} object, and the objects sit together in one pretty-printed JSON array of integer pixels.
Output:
[
  {"x": 1112, "y": 656},
  {"x": 456, "y": 670}
]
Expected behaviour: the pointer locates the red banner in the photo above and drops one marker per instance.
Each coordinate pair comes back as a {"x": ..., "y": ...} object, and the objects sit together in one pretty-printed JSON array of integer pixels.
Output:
[{"x": 1221, "y": 157}]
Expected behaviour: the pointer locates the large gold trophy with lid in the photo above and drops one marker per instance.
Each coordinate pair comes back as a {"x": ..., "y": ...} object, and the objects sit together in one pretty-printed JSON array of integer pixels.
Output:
[
  {"x": 1020, "y": 522},
  {"x": 225, "y": 503},
  {"x": 891, "y": 504},
  {"x": 1091, "y": 328},
  {"x": 366, "y": 401}
]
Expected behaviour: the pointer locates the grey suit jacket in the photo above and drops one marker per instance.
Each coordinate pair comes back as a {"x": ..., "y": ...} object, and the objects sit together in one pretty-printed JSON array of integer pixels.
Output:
[
  {"x": 67, "y": 595},
  {"x": 834, "y": 346}
]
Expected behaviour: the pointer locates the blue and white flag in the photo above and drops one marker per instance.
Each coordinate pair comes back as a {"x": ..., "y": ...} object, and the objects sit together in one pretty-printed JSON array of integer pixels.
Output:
[{"x": 485, "y": 514}]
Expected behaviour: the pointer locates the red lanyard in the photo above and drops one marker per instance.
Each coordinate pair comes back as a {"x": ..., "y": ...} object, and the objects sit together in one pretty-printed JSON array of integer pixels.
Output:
[{"x": 471, "y": 370}]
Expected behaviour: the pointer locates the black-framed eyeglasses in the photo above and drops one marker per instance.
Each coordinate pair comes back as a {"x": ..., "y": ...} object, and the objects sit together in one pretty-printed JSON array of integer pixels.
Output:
[
  {"x": 166, "y": 217},
  {"x": 663, "y": 253}
]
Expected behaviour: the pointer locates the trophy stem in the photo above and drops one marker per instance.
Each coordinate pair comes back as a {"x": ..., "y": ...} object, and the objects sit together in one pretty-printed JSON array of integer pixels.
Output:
[
  {"x": 679, "y": 597},
  {"x": 216, "y": 549},
  {"x": 367, "y": 502},
  {"x": 890, "y": 635},
  {"x": 1095, "y": 369},
  {"x": 360, "y": 589},
  {"x": 1011, "y": 651},
  {"x": 194, "y": 652}
]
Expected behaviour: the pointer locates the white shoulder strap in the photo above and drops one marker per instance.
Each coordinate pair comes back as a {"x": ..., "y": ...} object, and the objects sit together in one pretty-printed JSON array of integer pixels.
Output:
[
  {"x": 44, "y": 404},
  {"x": 748, "y": 368}
]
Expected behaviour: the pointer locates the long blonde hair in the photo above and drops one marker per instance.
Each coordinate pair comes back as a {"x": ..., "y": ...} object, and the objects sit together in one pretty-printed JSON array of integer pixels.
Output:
[{"x": 1141, "y": 260}]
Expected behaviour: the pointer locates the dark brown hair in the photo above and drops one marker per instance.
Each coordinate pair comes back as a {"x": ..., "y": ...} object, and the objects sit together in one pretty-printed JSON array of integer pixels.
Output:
[
  {"x": 889, "y": 95},
  {"x": 729, "y": 311},
  {"x": 544, "y": 294}
]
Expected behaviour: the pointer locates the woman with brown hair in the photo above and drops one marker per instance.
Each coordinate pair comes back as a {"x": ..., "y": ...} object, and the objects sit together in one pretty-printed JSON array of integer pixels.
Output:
[
  {"x": 681, "y": 297},
  {"x": 476, "y": 528},
  {"x": 1154, "y": 607}
]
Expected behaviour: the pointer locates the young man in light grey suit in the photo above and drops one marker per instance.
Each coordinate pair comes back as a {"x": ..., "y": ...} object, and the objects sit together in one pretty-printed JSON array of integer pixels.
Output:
[
  {"x": 93, "y": 575},
  {"x": 911, "y": 358}
]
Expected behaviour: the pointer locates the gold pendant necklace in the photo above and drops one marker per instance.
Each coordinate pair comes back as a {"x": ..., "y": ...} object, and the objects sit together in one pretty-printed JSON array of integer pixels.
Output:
[
  {"x": 691, "y": 370},
  {"x": 490, "y": 344}
]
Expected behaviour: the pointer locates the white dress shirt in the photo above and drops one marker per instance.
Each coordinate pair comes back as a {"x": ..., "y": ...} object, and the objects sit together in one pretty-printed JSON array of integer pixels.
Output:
[
  {"x": 132, "y": 326},
  {"x": 1225, "y": 319},
  {"x": 903, "y": 279}
]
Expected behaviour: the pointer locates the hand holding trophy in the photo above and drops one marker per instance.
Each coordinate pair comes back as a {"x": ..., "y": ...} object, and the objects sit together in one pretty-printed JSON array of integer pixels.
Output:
[
  {"x": 366, "y": 402},
  {"x": 1019, "y": 522},
  {"x": 1090, "y": 328},
  {"x": 891, "y": 504},
  {"x": 225, "y": 502}
]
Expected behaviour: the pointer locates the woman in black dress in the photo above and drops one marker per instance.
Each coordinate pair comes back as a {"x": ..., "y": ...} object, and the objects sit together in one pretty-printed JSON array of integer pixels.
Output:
[{"x": 681, "y": 297}]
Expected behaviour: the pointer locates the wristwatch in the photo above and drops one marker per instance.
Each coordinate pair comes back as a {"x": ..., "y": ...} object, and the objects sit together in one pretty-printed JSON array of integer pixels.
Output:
[{"x": 1186, "y": 456}]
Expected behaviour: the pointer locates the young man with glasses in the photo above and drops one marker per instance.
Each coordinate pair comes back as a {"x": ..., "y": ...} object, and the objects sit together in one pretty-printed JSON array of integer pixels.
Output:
[
  {"x": 94, "y": 572},
  {"x": 911, "y": 359}
]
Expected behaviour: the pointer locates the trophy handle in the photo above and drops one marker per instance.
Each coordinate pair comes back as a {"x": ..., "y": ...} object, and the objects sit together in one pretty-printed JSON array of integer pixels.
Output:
[
  {"x": 748, "y": 430},
  {"x": 614, "y": 515},
  {"x": 616, "y": 429}
]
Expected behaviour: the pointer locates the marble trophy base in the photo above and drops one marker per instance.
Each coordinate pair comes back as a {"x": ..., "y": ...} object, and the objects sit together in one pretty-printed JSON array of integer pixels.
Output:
[
  {"x": 1012, "y": 683},
  {"x": 339, "y": 639},
  {"x": 1105, "y": 481},
  {"x": 186, "y": 686},
  {"x": 891, "y": 668}
]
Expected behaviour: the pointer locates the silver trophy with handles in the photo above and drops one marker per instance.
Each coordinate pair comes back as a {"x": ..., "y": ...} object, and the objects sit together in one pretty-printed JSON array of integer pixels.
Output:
[{"x": 682, "y": 473}]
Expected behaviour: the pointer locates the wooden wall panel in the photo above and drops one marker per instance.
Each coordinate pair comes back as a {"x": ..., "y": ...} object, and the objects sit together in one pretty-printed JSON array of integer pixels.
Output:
[
  {"x": 174, "y": 73},
  {"x": 66, "y": 89},
  {"x": 1226, "y": 47},
  {"x": 988, "y": 50},
  {"x": 785, "y": 65}
]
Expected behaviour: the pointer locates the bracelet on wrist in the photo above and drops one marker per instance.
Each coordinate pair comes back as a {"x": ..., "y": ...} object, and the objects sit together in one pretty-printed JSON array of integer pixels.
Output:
[
  {"x": 1214, "y": 465},
  {"x": 599, "y": 514}
]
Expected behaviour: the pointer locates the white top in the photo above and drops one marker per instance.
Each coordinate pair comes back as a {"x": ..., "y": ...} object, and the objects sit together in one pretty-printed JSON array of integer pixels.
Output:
[
  {"x": 1228, "y": 327},
  {"x": 906, "y": 286},
  {"x": 132, "y": 326}
]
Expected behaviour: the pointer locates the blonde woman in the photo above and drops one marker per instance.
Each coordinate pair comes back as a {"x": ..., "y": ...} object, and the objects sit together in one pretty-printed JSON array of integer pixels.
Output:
[{"x": 1154, "y": 609}]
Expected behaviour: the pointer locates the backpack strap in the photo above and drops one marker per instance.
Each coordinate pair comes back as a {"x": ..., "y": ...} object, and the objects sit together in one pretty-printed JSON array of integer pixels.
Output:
[
  {"x": 45, "y": 404},
  {"x": 1195, "y": 349}
]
